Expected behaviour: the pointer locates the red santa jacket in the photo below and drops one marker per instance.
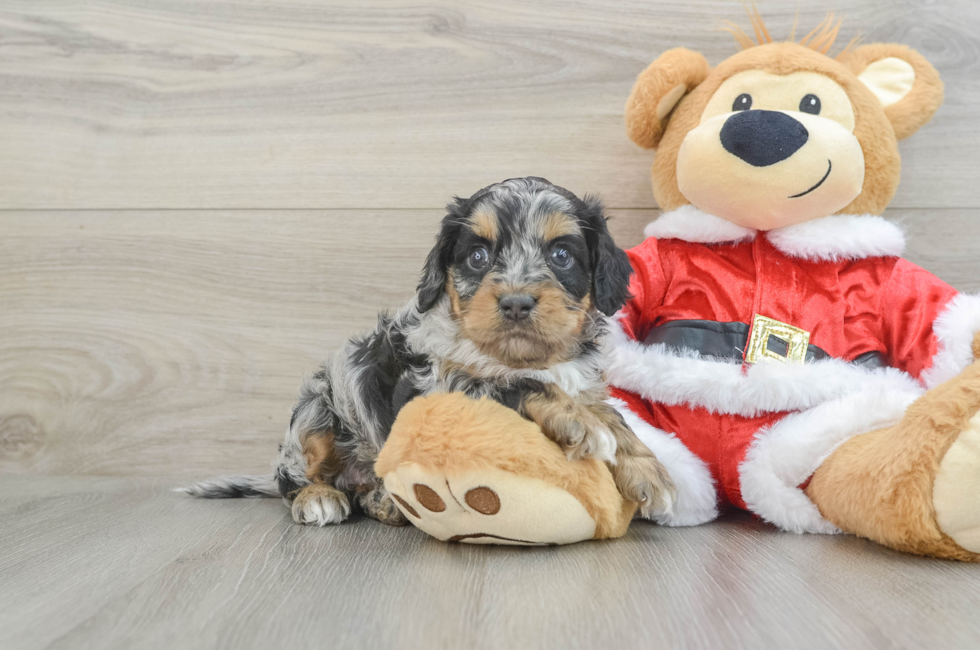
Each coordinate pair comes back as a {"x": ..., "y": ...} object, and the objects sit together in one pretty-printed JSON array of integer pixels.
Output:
[{"x": 841, "y": 280}]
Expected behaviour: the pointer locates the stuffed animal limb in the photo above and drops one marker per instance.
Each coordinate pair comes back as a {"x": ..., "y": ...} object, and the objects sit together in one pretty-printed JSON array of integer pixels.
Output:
[
  {"x": 475, "y": 471},
  {"x": 915, "y": 486}
]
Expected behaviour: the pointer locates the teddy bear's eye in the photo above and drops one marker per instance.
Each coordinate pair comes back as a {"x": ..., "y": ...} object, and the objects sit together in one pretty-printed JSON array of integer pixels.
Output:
[
  {"x": 810, "y": 104},
  {"x": 742, "y": 103}
]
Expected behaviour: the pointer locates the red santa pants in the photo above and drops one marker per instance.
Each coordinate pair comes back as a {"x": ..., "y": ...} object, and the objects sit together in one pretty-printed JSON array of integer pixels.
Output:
[{"x": 720, "y": 440}]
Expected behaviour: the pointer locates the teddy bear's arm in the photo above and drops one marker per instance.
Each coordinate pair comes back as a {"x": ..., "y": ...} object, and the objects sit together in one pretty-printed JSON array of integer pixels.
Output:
[
  {"x": 648, "y": 287},
  {"x": 927, "y": 326}
]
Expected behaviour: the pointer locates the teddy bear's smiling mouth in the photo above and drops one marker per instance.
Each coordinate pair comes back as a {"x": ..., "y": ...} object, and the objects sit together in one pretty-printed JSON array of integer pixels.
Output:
[{"x": 829, "y": 166}]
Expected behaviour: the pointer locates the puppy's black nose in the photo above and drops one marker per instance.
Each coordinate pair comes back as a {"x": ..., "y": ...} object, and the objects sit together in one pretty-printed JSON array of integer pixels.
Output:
[
  {"x": 762, "y": 138},
  {"x": 517, "y": 306}
]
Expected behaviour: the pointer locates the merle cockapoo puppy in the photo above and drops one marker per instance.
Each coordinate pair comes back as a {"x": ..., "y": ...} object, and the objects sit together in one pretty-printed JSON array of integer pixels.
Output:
[{"x": 512, "y": 305}]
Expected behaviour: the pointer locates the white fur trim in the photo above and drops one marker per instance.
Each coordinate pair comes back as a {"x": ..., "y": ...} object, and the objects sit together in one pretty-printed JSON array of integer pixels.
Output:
[
  {"x": 955, "y": 328},
  {"x": 674, "y": 377},
  {"x": 693, "y": 225},
  {"x": 787, "y": 453},
  {"x": 697, "y": 499},
  {"x": 842, "y": 236}
]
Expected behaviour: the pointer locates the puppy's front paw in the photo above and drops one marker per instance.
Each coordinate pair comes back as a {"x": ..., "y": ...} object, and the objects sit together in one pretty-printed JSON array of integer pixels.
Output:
[
  {"x": 645, "y": 481},
  {"x": 565, "y": 429},
  {"x": 578, "y": 430},
  {"x": 320, "y": 505},
  {"x": 597, "y": 442}
]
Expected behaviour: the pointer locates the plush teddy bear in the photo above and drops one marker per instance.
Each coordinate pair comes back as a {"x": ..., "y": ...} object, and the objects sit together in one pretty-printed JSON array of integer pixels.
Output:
[
  {"x": 778, "y": 354},
  {"x": 776, "y": 337}
]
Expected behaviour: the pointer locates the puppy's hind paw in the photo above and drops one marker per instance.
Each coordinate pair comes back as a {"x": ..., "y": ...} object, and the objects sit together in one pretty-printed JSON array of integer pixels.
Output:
[
  {"x": 378, "y": 504},
  {"x": 320, "y": 505}
]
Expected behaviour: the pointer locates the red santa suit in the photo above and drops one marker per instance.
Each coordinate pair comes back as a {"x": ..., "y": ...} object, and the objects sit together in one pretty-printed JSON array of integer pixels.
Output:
[{"x": 881, "y": 331}]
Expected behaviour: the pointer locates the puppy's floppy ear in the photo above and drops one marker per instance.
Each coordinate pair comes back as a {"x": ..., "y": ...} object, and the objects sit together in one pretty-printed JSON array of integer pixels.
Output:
[
  {"x": 432, "y": 286},
  {"x": 611, "y": 268},
  {"x": 657, "y": 91},
  {"x": 907, "y": 85}
]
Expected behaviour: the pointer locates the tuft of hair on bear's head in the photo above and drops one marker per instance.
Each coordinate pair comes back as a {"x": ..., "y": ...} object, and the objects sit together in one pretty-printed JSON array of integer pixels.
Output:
[{"x": 820, "y": 39}]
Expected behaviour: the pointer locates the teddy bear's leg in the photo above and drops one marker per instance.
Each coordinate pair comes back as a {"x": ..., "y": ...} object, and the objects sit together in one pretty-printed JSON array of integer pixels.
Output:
[
  {"x": 915, "y": 486},
  {"x": 475, "y": 471}
]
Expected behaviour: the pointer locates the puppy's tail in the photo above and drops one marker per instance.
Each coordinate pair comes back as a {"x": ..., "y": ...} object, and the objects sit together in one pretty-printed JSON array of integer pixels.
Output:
[{"x": 234, "y": 487}]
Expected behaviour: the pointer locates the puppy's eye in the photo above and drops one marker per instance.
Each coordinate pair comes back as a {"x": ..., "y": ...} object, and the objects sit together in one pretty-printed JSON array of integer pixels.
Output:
[
  {"x": 478, "y": 259},
  {"x": 810, "y": 104},
  {"x": 742, "y": 103},
  {"x": 561, "y": 258}
]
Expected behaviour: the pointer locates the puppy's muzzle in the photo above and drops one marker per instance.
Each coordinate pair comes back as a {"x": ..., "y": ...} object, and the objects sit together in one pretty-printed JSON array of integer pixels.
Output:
[
  {"x": 517, "y": 306},
  {"x": 763, "y": 138}
]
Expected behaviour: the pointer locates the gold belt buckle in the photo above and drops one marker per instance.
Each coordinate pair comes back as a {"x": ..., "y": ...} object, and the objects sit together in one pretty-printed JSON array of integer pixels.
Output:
[{"x": 796, "y": 341}]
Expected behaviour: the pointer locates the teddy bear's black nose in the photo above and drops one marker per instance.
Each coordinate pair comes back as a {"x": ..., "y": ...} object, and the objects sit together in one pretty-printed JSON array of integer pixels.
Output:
[{"x": 762, "y": 138}]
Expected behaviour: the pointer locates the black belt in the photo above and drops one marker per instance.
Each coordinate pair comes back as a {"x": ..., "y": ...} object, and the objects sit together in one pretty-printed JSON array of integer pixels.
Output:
[{"x": 728, "y": 341}]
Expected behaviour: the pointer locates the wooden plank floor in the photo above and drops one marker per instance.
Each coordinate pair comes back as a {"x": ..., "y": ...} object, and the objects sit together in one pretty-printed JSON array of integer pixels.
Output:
[
  {"x": 199, "y": 200},
  {"x": 103, "y": 563}
]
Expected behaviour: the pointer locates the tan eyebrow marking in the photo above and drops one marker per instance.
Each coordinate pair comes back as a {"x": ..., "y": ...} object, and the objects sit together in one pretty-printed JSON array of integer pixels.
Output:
[
  {"x": 485, "y": 225},
  {"x": 558, "y": 224}
]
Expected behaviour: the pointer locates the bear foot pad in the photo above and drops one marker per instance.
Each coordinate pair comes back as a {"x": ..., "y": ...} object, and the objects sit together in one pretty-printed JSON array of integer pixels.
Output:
[
  {"x": 491, "y": 506},
  {"x": 956, "y": 491}
]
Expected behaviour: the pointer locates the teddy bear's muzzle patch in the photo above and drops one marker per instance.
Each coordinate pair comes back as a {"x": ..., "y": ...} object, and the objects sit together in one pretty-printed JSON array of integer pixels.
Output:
[{"x": 765, "y": 169}]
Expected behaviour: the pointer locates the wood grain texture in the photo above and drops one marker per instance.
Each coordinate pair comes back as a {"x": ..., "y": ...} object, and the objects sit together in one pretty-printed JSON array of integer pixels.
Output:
[
  {"x": 388, "y": 104},
  {"x": 107, "y": 563},
  {"x": 174, "y": 342}
]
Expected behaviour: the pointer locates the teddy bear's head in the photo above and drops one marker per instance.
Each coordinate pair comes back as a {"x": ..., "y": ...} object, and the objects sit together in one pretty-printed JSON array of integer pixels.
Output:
[{"x": 781, "y": 133}]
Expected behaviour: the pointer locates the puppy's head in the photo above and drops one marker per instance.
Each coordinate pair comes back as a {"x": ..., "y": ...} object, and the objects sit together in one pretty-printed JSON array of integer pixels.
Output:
[{"x": 525, "y": 265}]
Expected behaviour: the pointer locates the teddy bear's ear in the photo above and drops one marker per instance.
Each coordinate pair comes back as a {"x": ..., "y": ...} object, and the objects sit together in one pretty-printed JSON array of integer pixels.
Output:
[
  {"x": 907, "y": 85},
  {"x": 657, "y": 91}
]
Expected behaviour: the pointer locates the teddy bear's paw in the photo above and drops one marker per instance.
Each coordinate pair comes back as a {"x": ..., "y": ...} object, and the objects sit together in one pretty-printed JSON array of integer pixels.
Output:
[
  {"x": 956, "y": 490},
  {"x": 488, "y": 506},
  {"x": 320, "y": 505},
  {"x": 645, "y": 481}
]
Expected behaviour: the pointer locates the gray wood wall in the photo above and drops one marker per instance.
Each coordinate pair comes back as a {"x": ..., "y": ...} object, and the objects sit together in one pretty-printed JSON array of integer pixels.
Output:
[{"x": 199, "y": 200}]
